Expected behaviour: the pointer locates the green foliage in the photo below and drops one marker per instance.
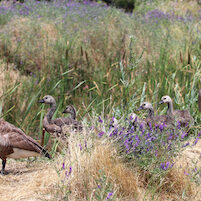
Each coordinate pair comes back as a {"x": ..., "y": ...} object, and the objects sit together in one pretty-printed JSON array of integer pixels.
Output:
[{"x": 96, "y": 57}]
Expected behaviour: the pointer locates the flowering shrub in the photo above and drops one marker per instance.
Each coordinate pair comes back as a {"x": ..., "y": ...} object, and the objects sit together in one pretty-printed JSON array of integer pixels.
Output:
[{"x": 153, "y": 148}]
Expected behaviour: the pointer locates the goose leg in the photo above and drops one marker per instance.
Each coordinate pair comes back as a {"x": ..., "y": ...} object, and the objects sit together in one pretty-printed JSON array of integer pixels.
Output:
[
  {"x": 42, "y": 137},
  {"x": 3, "y": 172}
]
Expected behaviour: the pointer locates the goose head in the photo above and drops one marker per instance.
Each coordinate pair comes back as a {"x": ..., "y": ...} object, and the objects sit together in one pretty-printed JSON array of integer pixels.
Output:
[
  {"x": 47, "y": 100},
  {"x": 69, "y": 109},
  {"x": 165, "y": 99},
  {"x": 145, "y": 106}
]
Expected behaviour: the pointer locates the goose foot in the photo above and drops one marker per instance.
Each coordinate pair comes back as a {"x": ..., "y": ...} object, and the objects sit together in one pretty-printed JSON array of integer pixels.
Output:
[{"x": 3, "y": 172}]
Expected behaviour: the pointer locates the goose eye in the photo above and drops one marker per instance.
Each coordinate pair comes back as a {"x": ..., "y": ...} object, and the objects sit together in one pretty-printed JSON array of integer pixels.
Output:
[{"x": 45, "y": 97}]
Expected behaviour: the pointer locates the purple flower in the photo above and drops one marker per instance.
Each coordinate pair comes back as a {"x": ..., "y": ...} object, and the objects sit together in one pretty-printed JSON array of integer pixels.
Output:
[
  {"x": 165, "y": 166},
  {"x": 162, "y": 166},
  {"x": 63, "y": 165},
  {"x": 109, "y": 195},
  {"x": 161, "y": 127},
  {"x": 70, "y": 170},
  {"x": 100, "y": 120},
  {"x": 186, "y": 173},
  {"x": 183, "y": 135},
  {"x": 141, "y": 127},
  {"x": 178, "y": 125},
  {"x": 196, "y": 141},
  {"x": 185, "y": 145},
  {"x": 67, "y": 173},
  {"x": 85, "y": 144},
  {"x": 100, "y": 134},
  {"x": 150, "y": 126},
  {"x": 80, "y": 147}
]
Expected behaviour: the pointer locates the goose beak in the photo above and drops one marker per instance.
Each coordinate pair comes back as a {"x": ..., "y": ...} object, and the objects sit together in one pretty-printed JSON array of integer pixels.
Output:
[
  {"x": 41, "y": 101},
  {"x": 161, "y": 102},
  {"x": 64, "y": 111},
  {"x": 140, "y": 108}
]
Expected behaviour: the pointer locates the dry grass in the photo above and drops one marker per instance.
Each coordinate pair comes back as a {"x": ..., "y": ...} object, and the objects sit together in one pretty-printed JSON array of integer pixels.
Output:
[
  {"x": 180, "y": 7},
  {"x": 9, "y": 76},
  {"x": 177, "y": 184},
  {"x": 40, "y": 180},
  {"x": 87, "y": 166},
  {"x": 28, "y": 181},
  {"x": 30, "y": 41}
]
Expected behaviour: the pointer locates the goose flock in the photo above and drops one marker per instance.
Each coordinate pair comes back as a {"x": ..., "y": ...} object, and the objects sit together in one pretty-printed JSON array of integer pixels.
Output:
[
  {"x": 183, "y": 117},
  {"x": 14, "y": 143}
]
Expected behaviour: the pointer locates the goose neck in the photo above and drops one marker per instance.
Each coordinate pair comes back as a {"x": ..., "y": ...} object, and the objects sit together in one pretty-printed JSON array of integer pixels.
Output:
[
  {"x": 170, "y": 108},
  {"x": 73, "y": 115},
  {"x": 151, "y": 112},
  {"x": 51, "y": 112}
]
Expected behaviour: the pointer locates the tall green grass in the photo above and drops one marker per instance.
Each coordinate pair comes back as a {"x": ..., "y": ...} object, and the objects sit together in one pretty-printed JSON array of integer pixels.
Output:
[{"x": 96, "y": 57}]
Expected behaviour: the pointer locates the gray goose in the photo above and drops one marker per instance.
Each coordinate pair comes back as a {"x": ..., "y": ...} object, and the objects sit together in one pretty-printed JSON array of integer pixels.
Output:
[
  {"x": 76, "y": 125},
  {"x": 183, "y": 116},
  {"x": 136, "y": 121},
  {"x": 199, "y": 100},
  {"x": 70, "y": 109},
  {"x": 151, "y": 117},
  {"x": 54, "y": 126},
  {"x": 14, "y": 143}
]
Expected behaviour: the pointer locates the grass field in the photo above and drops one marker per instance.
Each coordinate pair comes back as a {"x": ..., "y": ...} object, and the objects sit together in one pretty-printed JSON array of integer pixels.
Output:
[{"x": 105, "y": 62}]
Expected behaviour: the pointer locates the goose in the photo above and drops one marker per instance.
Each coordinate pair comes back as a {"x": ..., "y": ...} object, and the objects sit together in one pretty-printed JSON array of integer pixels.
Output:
[
  {"x": 136, "y": 121},
  {"x": 76, "y": 125},
  {"x": 55, "y": 126},
  {"x": 199, "y": 100},
  {"x": 183, "y": 116},
  {"x": 151, "y": 117},
  {"x": 14, "y": 143},
  {"x": 71, "y": 110}
]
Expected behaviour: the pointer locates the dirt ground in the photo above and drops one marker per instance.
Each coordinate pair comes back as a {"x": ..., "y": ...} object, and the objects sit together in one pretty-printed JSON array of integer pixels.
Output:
[{"x": 28, "y": 181}]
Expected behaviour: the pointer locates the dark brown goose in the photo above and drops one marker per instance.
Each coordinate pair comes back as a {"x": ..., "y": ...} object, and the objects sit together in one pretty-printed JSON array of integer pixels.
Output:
[
  {"x": 199, "y": 100},
  {"x": 70, "y": 109},
  {"x": 183, "y": 116},
  {"x": 151, "y": 117},
  {"x": 14, "y": 143}
]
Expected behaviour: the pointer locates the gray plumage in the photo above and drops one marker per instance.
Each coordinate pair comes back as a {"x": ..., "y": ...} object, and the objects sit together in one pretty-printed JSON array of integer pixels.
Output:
[
  {"x": 159, "y": 119},
  {"x": 55, "y": 125},
  {"x": 183, "y": 116},
  {"x": 70, "y": 109}
]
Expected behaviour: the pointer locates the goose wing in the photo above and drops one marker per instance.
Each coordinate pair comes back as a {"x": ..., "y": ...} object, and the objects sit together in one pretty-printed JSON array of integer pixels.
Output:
[
  {"x": 51, "y": 127},
  {"x": 13, "y": 137},
  {"x": 62, "y": 121},
  {"x": 184, "y": 117}
]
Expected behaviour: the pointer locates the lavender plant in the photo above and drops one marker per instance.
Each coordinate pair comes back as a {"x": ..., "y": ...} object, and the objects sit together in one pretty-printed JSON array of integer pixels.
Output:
[{"x": 153, "y": 149}]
